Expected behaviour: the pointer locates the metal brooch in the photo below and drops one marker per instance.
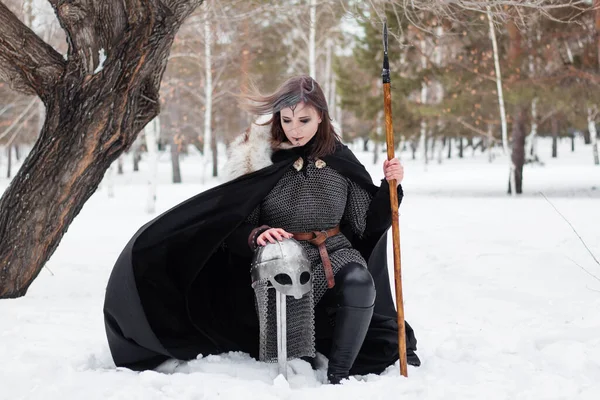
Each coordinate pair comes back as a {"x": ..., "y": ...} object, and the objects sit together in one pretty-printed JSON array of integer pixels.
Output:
[
  {"x": 320, "y": 163},
  {"x": 298, "y": 164}
]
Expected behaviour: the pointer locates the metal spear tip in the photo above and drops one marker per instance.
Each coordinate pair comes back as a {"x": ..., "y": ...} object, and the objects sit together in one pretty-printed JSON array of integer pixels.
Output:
[{"x": 385, "y": 36}]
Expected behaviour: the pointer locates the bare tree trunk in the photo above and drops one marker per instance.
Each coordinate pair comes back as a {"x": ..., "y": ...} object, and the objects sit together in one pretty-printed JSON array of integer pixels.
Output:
[
  {"x": 376, "y": 152},
  {"x": 518, "y": 152},
  {"x": 517, "y": 157},
  {"x": 440, "y": 153},
  {"x": 120, "y": 165},
  {"x": 137, "y": 152},
  {"x": 597, "y": 25},
  {"x": 573, "y": 143},
  {"x": 490, "y": 143},
  {"x": 424, "y": 93},
  {"x": 378, "y": 130},
  {"x": 109, "y": 178},
  {"x": 449, "y": 148},
  {"x": 208, "y": 89},
  {"x": 152, "y": 134},
  {"x": 534, "y": 127},
  {"x": 136, "y": 160},
  {"x": 175, "y": 159},
  {"x": 498, "y": 82},
  {"x": 554, "y": 124},
  {"x": 9, "y": 161},
  {"x": 92, "y": 116},
  {"x": 592, "y": 112},
  {"x": 423, "y": 143},
  {"x": 339, "y": 113},
  {"x": 312, "y": 60},
  {"x": 461, "y": 147},
  {"x": 215, "y": 155},
  {"x": 329, "y": 93}
]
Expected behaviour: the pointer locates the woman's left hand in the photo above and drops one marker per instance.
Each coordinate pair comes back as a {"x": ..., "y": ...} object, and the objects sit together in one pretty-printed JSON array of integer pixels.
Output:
[{"x": 393, "y": 169}]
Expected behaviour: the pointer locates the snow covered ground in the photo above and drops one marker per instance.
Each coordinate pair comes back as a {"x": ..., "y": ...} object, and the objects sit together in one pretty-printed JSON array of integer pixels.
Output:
[{"x": 498, "y": 290}]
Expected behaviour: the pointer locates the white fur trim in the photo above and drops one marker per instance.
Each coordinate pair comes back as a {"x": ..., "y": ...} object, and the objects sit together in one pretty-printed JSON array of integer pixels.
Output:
[{"x": 249, "y": 152}]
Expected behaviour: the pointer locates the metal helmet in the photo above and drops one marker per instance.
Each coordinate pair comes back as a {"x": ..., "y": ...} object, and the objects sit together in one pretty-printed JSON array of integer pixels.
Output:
[{"x": 285, "y": 265}]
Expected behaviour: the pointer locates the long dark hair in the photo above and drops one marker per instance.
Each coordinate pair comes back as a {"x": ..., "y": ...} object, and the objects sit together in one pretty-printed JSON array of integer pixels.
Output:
[{"x": 296, "y": 89}]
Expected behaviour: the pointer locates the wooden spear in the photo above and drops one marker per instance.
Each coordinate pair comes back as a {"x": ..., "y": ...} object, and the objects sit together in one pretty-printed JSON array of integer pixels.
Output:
[{"x": 389, "y": 135}]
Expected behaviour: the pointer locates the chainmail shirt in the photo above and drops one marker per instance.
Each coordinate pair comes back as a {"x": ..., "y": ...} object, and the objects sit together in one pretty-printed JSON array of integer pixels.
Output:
[{"x": 315, "y": 198}]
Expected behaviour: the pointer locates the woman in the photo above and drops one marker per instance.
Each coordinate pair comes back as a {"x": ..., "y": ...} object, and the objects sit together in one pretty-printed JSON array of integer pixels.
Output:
[{"x": 181, "y": 286}]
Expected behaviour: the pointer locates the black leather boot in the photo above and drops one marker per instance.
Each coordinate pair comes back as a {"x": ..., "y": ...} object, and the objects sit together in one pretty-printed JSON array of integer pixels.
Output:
[
  {"x": 354, "y": 299},
  {"x": 351, "y": 325}
]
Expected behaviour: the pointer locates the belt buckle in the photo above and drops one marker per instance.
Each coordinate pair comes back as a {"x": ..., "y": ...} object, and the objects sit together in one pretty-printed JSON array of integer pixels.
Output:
[{"x": 319, "y": 234}]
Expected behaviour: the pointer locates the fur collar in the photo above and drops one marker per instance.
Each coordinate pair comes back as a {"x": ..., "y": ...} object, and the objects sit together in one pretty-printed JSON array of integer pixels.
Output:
[{"x": 251, "y": 150}]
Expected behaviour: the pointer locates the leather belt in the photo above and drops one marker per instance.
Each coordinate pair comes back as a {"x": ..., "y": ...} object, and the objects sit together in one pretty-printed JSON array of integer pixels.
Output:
[{"x": 318, "y": 239}]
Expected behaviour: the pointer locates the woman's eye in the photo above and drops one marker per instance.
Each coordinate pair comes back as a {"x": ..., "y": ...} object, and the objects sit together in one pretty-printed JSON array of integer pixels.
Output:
[
  {"x": 305, "y": 121},
  {"x": 286, "y": 121}
]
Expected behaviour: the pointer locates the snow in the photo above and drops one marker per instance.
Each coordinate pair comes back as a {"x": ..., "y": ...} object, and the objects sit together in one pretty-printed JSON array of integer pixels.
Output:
[{"x": 494, "y": 287}]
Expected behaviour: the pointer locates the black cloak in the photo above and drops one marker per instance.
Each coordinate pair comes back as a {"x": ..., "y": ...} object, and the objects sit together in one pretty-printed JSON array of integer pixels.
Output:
[{"x": 177, "y": 290}]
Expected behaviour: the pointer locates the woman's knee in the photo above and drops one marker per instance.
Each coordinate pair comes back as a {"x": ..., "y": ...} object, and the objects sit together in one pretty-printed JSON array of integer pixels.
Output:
[{"x": 355, "y": 286}]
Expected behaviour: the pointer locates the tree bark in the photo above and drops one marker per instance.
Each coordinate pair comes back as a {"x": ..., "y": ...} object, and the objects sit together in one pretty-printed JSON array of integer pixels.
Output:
[
  {"x": 152, "y": 134},
  {"x": 554, "y": 124},
  {"x": 597, "y": 25},
  {"x": 449, "y": 148},
  {"x": 587, "y": 138},
  {"x": 461, "y": 147},
  {"x": 498, "y": 72},
  {"x": 592, "y": 112},
  {"x": 312, "y": 59},
  {"x": 93, "y": 114},
  {"x": 515, "y": 175},
  {"x": 490, "y": 142},
  {"x": 518, "y": 151},
  {"x": 214, "y": 153},
  {"x": 9, "y": 161},
  {"x": 120, "y": 166},
  {"x": 208, "y": 91},
  {"x": 175, "y": 160}
]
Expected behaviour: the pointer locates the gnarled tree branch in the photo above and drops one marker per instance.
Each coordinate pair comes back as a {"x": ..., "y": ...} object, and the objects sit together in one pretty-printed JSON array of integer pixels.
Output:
[
  {"x": 27, "y": 63},
  {"x": 92, "y": 116}
]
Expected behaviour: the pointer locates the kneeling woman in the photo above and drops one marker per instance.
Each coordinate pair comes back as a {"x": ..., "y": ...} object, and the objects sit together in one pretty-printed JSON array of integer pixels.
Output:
[{"x": 181, "y": 286}]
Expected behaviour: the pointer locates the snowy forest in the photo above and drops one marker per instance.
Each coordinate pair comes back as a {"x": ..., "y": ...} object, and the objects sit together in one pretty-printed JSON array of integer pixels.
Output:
[
  {"x": 478, "y": 75},
  {"x": 112, "y": 112}
]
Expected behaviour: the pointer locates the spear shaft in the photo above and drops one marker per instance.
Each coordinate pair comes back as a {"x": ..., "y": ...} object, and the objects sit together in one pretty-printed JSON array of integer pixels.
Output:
[{"x": 389, "y": 135}]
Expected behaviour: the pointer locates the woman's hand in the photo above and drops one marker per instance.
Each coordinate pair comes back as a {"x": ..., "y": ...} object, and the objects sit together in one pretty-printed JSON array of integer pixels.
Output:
[
  {"x": 392, "y": 169},
  {"x": 271, "y": 235}
]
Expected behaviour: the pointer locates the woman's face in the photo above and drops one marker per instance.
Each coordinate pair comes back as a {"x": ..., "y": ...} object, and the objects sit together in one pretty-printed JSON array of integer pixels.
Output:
[{"x": 300, "y": 123}]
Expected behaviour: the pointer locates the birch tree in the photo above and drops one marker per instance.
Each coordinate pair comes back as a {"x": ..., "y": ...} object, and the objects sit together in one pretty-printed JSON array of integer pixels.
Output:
[
  {"x": 503, "y": 123},
  {"x": 92, "y": 115},
  {"x": 312, "y": 60},
  {"x": 152, "y": 133},
  {"x": 208, "y": 91}
]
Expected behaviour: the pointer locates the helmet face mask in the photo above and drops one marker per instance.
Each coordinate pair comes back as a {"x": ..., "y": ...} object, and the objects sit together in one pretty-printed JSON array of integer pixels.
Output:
[
  {"x": 285, "y": 265},
  {"x": 279, "y": 270}
]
